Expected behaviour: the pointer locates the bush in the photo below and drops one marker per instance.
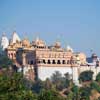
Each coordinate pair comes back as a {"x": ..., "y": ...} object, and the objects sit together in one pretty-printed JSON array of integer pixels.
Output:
[
  {"x": 49, "y": 95},
  {"x": 94, "y": 85},
  {"x": 12, "y": 87},
  {"x": 86, "y": 76},
  {"x": 37, "y": 86},
  {"x": 85, "y": 93},
  {"x": 5, "y": 61},
  {"x": 98, "y": 77},
  {"x": 59, "y": 81}
]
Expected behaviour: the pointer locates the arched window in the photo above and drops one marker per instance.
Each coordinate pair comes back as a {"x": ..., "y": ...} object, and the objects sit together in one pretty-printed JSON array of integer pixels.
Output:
[
  {"x": 49, "y": 62},
  {"x": 58, "y": 62},
  {"x": 53, "y": 62},
  {"x": 44, "y": 61},
  {"x": 63, "y": 62}
]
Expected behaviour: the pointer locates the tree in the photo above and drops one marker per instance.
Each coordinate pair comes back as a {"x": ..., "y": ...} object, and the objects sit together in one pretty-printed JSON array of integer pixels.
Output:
[
  {"x": 85, "y": 93},
  {"x": 59, "y": 81},
  {"x": 70, "y": 96},
  {"x": 67, "y": 80},
  {"x": 56, "y": 77},
  {"x": 48, "y": 84},
  {"x": 94, "y": 85},
  {"x": 86, "y": 76},
  {"x": 5, "y": 61},
  {"x": 37, "y": 86},
  {"x": 12, "y": 87},
  {"x": 49, "y": 95},
  {"x": 75, "y": 91},
  {"x": 98, "y": 77}
]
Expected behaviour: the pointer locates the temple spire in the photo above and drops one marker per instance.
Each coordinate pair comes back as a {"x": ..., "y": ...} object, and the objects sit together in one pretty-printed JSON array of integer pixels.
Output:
[
  {"x": 4, "y": 42},
  {"x": 15, "y": 37}
]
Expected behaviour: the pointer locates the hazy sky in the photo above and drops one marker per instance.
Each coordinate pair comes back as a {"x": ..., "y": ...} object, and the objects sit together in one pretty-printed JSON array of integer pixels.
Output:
[{"x": 73, "y": 22}]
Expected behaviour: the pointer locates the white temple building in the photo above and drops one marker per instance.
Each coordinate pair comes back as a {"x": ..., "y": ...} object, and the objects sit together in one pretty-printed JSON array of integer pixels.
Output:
[{"x": 4, "y": 42}]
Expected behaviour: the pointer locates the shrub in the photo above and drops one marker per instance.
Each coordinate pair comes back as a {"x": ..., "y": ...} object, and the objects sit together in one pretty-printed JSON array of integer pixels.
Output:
[{"x": 86, "y": 76}]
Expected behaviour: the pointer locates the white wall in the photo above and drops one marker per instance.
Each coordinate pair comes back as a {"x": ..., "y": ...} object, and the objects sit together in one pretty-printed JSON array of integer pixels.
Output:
[{"x": 46, "y": 72}]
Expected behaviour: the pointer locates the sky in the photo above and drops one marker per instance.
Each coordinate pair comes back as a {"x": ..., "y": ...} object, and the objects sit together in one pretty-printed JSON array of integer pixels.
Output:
[{"x": 72, "y": 22}]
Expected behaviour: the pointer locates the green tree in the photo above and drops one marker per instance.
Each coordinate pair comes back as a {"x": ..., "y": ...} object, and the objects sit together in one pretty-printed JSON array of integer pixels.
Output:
[
  {"x": 85, "y": 93},
  {"x": 98, "y": 77},
  {"x": 56, "y": 79},
  {"x": 75, "y": 90},
  {"x": 70, "y": 96},
  {"x": 86, "y": 76},
  {"x": 49, "y": 95},
  {"x": 59, "y": 81},
  {"x": 38, "y": 85},
  {"x": 67, "y": 80},
  {"x": 5, "y": 61},
  {"x": 12, "y": 87},
  {"x": 94, "y": 85}
]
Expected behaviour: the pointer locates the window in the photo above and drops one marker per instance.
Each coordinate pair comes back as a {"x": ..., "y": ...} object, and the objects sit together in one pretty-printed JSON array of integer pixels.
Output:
[
  {"x": 58, "y": 62},
  {"x": 44, "y": 61},
  {"x": 63, "y": 62},
  {"x": 49, "y": 62},
  {"x": 53, "y": 62}
]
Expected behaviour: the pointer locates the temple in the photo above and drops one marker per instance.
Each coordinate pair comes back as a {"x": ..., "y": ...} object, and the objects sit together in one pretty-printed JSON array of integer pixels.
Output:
[
  {"x": 4, "y": 42},
  {"x": 37, "y": 60}
]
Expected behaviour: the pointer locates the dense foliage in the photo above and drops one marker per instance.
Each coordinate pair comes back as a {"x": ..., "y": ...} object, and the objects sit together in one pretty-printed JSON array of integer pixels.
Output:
[
  {"x": 86, "y": 76},
  {"x": 13, "y": 86},
  {"x": 59, "y": 81},
  {"x": 49, "y": 95},
  {"x": 5, "y": 61},
  {"x": 98, "y": 77},
  {"x": 96, "y": 86}
]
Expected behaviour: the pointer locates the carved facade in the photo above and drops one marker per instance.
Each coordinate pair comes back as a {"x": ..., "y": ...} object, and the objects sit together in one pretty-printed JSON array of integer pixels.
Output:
[{"x": 38, "y": 60}]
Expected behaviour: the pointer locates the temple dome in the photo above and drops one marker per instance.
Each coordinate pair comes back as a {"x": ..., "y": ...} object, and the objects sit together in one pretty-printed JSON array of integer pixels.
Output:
[
  {"x": 69, "y": 48},
  {"x": 39, "y": 42},
  {"x": 26, "y": 42},
  {"x": 57, "y": 44}
]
